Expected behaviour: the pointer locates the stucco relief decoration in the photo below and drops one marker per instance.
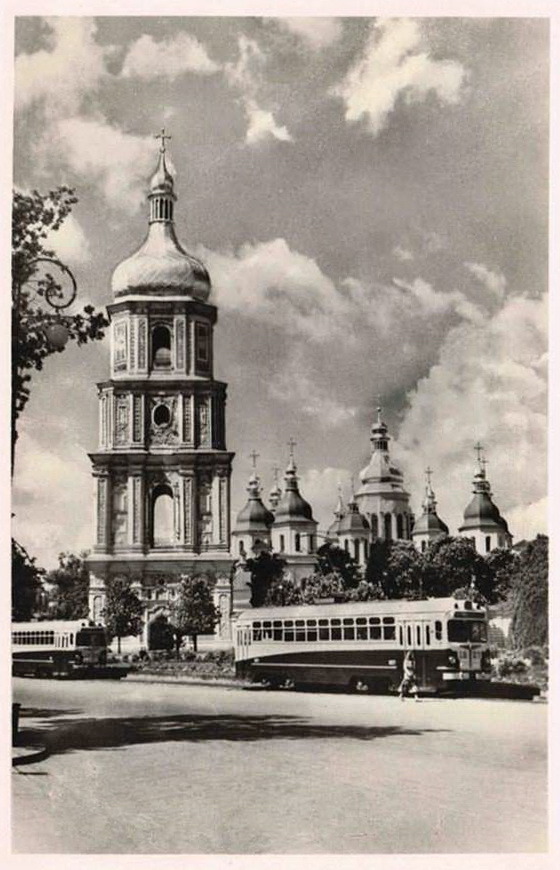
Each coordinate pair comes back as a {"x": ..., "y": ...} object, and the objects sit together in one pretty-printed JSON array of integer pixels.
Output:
[
  {"x": 163, "y": 420},
  {"x": 205, "y": 510},
  {"x": 142, "y": 342},
  {"x": 188, "y": 418},
  {"x": 137, "y": 492},
  {"x": 204, "y": 422},
  {"x": 137, "y": 420},
  {"x": 119, "y": 345},
  {"x": 101, "y": 509},
  {"x": 180, "y": 339},
  {"x": 188, "y": 496},
  {"x": 121, "y": 421}
]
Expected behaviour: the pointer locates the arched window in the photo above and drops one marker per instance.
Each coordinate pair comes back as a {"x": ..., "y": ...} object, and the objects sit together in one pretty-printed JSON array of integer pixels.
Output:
[
  {"x": 298, "y": 542},
  {"x": 400, "y": 529},
  {"x": 162, "y": 516},
  {"x": 423, "y": 546},
  {"x": 311, "y": 543},
  {"x": 388, "y": 532},
  {"x": 161, "y": 347},
  {"x": 282, "y": 544},
  {"x": 366, "y": 550},
  {"x": 357, "y": 551},
  {"x": 488, "y": 543},
  {"x": 346, "y": 545},
  {"x": 374, "y": 525}
]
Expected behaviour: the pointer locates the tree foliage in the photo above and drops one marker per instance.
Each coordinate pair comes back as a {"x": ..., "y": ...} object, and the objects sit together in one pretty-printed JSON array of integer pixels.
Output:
[
  {"x": 194, "y": 612},
  {"x": 452, "y": 564},
  {"x": 26, "y": 583},
  {"x": 530, "y": 595},
  {"x": 282, "y": 593},
  {"x": 69, "y": 598},
  {"x": 265, "y": 569},
  {"x": 332, "y": 559},
  {"x": 34, "y": 216},
  {"x": 123, "y": 609},
  {"x": 319, "y": 586}
]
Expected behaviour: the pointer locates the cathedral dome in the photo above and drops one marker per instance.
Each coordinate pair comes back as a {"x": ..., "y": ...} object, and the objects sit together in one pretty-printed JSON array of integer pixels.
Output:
[
  {"x": 292, "y": 506},
  {"x": 481, "y": 512},
  {"x": 353, "y": 522},
  {"x": 161, "y": 266}
]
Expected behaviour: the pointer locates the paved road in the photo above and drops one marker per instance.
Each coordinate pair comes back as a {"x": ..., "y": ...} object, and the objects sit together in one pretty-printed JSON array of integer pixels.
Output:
[{"x": 153, "y": 768}]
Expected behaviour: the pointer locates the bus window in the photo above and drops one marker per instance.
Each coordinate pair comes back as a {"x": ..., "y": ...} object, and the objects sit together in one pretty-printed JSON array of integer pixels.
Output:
[
  {"x": 361, "y": 628},
  {"x": 438, "y": 628},
  {"x": 336, "y": 631}
]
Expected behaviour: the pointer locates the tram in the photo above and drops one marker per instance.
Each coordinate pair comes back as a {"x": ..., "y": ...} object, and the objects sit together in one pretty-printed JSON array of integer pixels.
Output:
[
  {"x": 57, "y": 649},
  {"x": 361, "y": 646}
]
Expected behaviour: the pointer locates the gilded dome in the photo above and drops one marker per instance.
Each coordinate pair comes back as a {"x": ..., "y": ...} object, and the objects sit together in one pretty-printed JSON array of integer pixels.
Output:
[{"x": 161, "y": 266}]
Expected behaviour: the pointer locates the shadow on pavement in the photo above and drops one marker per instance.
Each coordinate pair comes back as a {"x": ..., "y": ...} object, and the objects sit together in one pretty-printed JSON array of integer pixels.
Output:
[{"x": 67, "y": 735}]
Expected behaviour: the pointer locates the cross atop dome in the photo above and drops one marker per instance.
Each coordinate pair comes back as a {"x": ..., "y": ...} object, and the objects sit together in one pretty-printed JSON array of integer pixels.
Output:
[{"x": 163, "y": 136}]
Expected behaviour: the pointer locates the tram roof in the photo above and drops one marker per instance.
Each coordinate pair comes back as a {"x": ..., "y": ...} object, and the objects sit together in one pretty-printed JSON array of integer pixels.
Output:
[
  {"x": 426, "y": 605},
  {"x": 53, "y": 625}
]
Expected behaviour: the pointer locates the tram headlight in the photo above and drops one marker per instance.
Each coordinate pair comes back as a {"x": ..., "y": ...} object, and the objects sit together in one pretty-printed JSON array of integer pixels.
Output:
[{"x": 453, "y": 659}]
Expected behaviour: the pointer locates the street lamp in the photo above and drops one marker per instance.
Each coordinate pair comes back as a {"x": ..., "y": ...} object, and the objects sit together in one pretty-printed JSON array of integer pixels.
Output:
[{"x": 51, "y": 280}]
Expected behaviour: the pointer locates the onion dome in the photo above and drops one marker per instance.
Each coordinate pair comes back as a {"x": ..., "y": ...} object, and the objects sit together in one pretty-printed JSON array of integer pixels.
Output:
[
  {"x": 481, "y": 512},
  {"x": 161, "y": 266},
  {"x": 254, "y": 517},
  {"x": 429, "y": 523},
  {"x": 380, "y": 466},
  {"x": 292, "y": 507},
  {"x": 333, "y": 529},
  {"x": 275, "y": 493},
  {"x": 353, "y": 522}
]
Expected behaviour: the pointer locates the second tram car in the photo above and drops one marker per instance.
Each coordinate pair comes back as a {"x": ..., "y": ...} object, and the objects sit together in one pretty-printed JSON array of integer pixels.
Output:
[
  {"x": 58, "y": 648},
  {"x": 361, "y": 646}
]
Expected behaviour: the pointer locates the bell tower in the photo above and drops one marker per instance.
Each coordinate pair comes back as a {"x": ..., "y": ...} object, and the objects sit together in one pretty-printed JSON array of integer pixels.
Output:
[{"x": 162, "y": 471}]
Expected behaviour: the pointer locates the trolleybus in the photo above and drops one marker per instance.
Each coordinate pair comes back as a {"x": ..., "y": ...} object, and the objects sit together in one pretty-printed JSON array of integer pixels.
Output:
[
  {"x": 59, "y": 648},
  {"x": 361, "y": 646}
]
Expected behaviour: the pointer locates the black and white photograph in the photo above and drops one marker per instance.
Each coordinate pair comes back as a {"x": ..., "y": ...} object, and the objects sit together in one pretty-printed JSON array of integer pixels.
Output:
[{"x": 279, "y": 462}]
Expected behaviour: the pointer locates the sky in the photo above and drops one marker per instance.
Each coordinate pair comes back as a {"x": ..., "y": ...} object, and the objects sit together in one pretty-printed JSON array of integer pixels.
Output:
[{"x": 370, "y": 197}]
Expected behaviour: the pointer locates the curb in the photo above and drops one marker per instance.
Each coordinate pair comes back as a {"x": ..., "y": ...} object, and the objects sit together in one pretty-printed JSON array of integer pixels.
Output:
[
  {"x": 28, "y": 755},
  {"x": 184, "y": 680}
]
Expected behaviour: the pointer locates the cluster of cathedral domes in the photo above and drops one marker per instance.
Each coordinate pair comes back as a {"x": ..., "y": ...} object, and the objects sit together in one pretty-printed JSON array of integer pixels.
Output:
[
  {"x": 161, "y": 266},
  {"x": 379, "y": 509}
]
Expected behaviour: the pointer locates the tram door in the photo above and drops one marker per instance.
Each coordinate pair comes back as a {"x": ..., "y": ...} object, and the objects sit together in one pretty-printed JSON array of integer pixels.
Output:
[
  {"x": 243, "y": 641},
  {"x": 414, "y": 636}
]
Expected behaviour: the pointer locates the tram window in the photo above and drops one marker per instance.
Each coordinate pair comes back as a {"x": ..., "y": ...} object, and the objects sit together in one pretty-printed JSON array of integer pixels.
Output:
[
  {"x": 267, "y": 631},
  {"x": 349, "y": 632},
  {"x": 311, "y": 622},
  {"x": 375, "y": 632},
  {"x": 324, "y": 633},
  {"x": 361, "y": 620},
  {"x": 401, "y": 638},
  {"x": 438, "y": 628},
  {"x": 348, "y": 621},
  {"x": 389, "y": 632},
  {"x": 323, "y": 622},
  {"x": 257, "y": 634},
  {"x": 361, "y": 631},
  {"x": 300, "y": 629},
  {"x": 311, "y": 634},
  {"x": 335, "y": 621},
  {"x": 374, "y": 620},
  {"x": 288, "y": 634},
  {"x": 409, "y": 635},
  {"x": 418, "y": 635},
  {"x": 336, "y": 632},
  {"x": 388, "y": 620},
  {"x": 427, "y": 635},
  {"x": 277, "y": 629}
]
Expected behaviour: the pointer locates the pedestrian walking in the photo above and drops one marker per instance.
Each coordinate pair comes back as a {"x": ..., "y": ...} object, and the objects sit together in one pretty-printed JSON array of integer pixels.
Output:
[{"x": 409, "y": 684}]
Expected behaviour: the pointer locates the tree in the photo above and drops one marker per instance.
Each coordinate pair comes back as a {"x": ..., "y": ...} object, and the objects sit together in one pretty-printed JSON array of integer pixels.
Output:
[
  {"x": 503, "y": 564},
  {"x": 530, "y": 595},
  {"x": 71, "y": 587},
  {"x": 161, "y": 633},
  {"x": 452, "y": 564},
  {"x": 34, "y": 216},
  {"x": 123, "y": 609},
  {"x": 194, "y": 612},
  {"x": 332, "y": 559},
  {"x": 395, "y": 569},
  {"x": 282, "y": 593},
  {"x": 26, "y": 583},
  {"x": 265, "y": 569},
  {"x": 321, "y": 586},
  {"x": 365, "y": 591}
]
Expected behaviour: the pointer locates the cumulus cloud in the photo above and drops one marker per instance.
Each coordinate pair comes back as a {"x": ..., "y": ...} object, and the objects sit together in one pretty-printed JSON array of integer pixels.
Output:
[
  {"x": 69, "y": 242},
  {"x": 294, "y": 386},
  {"x": 394, "y": 68},
  {"x": 49, "y": 489},
  {"x": 319, "y": 486},
  {"x": 118, "y": 162},
  {"x": 495, "y": 282},
  {"x": 402, "y": 254},
  {"x": 262, "y": 125},
  {"x": 489, "y": 384},
  {"x": 317, "y": 33},
  {"x": 246, "y": 76},
  {"x": 169, "y": 58},
  {"x": 60, "y": 77}
]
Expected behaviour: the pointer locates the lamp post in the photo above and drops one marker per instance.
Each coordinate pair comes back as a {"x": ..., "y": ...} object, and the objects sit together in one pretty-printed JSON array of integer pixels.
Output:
[{"x": 58, "y": 292}]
